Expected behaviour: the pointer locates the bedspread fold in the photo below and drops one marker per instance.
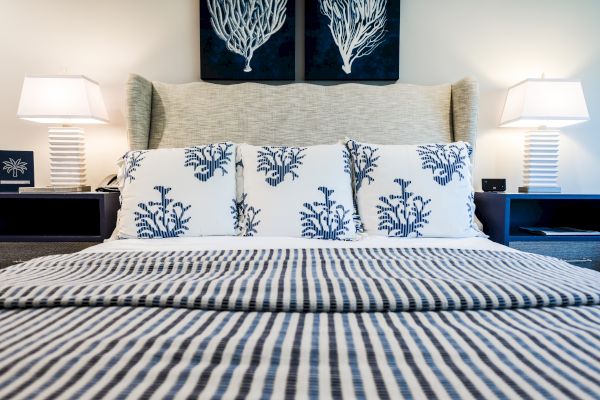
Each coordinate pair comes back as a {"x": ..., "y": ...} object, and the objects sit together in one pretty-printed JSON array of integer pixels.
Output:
[{"x": 301, "y": 280}]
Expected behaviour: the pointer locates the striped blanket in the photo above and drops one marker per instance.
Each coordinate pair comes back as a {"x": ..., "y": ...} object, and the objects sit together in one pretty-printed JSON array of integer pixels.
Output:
[{"x": 300, "y": 323}]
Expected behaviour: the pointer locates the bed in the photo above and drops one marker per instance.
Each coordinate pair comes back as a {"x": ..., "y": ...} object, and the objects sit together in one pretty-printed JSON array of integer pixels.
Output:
[{"x": 266, "y": 317}]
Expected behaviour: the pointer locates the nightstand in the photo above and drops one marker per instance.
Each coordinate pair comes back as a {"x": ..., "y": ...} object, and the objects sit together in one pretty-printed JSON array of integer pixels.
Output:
[
  {"x": 502, "y": 215},
  {"x": 38, "y": 224}
]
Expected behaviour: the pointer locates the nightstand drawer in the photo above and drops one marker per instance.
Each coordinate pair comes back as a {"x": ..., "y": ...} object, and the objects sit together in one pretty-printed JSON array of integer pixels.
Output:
[
  {"x": 582, "y": 254},
  {"x": 503, "y": 215},
  {"x": 57, "y": 217}
]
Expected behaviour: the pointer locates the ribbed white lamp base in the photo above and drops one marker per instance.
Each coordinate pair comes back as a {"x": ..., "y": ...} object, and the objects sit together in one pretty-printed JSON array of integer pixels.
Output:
[
  {"x": 67, "y": 156},
  {"x": 540, "y": 172}
]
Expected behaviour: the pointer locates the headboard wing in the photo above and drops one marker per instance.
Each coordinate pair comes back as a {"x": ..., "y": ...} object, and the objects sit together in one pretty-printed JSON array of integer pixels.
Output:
[
  {"x": 465, "y": 105},
  {"x": 139, "y": 109},
  {"x": 178, "y": 115}
]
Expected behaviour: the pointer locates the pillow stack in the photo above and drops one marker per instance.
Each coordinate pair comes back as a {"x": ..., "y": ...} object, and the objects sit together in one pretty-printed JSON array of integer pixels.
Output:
[{"x": 317, "y": 192}]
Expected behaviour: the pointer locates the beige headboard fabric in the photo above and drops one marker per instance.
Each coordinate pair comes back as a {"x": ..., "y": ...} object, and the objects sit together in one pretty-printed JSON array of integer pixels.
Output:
[{"x": 162, "y": 115}]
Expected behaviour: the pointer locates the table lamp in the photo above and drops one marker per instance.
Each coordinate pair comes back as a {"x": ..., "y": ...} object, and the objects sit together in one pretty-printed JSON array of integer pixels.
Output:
[
  {"x": 63, "y": 101},
  {"x": 547, "y": 105}
]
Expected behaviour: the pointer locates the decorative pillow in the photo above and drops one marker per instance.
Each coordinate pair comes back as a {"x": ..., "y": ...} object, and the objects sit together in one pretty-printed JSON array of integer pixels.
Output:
[
  {"x": 296, "y": 191},
  {"x": 414, "y": 191},
  {"x": 177, "y": 192}
]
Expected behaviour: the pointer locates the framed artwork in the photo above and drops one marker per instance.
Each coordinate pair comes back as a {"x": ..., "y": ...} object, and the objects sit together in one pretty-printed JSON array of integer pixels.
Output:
[
  {"x": 352, "y": 39},
  {"x": 247, "y": 40},
  {"x": 16, "y": 170}
]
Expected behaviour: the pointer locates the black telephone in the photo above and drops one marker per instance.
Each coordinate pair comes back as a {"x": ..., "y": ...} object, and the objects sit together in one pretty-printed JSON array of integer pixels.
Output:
[{"x": 108, "y": 184}]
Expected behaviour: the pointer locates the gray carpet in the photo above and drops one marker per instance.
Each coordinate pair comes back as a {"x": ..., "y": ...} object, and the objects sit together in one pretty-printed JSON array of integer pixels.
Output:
[{"x": 16, "y": 252}]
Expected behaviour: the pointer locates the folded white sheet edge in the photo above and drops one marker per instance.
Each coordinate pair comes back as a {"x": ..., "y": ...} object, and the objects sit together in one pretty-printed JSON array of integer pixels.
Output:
[{"x": 237, "y": 242}]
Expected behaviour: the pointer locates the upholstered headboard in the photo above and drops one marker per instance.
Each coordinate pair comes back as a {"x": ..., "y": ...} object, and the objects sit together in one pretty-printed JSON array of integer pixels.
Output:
[{"x": 166, "y": 115}]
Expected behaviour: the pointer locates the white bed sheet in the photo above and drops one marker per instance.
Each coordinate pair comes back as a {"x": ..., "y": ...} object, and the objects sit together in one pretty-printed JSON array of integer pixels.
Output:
[{"x": 237, "y": 242}]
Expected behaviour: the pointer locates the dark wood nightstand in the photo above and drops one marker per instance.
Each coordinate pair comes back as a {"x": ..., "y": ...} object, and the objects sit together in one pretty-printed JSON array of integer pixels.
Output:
[
  {"x": 502, "y": 215},
  {"x": 38, "y": 224}
]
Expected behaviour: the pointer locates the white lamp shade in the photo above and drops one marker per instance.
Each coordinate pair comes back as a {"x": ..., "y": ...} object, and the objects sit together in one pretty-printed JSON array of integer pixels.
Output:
[
  {"x": 549, "y": 103},
  {"x": 62, "y": 99}
]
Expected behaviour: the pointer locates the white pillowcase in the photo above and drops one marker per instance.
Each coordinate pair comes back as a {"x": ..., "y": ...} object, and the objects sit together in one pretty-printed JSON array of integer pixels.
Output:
[
  {"x": 414, "y": 191},
  {"x": 178, "y": 192},
  {"x": 297, "y": 192}
]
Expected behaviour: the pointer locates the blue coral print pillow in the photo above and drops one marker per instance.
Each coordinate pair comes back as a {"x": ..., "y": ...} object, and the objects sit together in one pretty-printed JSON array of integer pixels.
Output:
[
  {"x": 414, "y": 191},
  {"x": 296, "y": 191},
  {"x": 177, "y": 192}
]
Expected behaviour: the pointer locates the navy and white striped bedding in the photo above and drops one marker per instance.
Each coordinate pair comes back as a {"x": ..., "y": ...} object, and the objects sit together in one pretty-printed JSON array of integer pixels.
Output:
[{"x": 330, "y": 323}]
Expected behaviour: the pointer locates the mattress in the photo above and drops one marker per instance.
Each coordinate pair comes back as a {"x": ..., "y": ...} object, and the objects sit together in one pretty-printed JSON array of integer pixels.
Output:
[{"x": 278, "y": 318}]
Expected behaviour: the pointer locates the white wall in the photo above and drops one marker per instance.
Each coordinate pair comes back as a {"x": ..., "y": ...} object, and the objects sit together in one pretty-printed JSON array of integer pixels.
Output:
[{"x": 498, "y": 41}]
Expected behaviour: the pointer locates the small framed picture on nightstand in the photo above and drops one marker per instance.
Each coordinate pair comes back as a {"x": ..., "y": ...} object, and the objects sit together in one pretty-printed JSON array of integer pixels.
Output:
[{"x": 16, "y": 170}]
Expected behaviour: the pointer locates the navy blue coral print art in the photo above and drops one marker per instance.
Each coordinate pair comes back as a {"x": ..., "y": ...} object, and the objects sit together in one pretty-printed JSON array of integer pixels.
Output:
[
  {"x": 247, "y": 40},
  {"x": 352, "y": 39}
]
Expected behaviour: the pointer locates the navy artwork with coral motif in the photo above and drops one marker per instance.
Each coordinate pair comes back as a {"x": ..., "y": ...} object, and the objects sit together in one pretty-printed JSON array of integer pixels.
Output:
[
  {"x": 247, "y": 40},
  {"x": 352, "y": 40}
]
